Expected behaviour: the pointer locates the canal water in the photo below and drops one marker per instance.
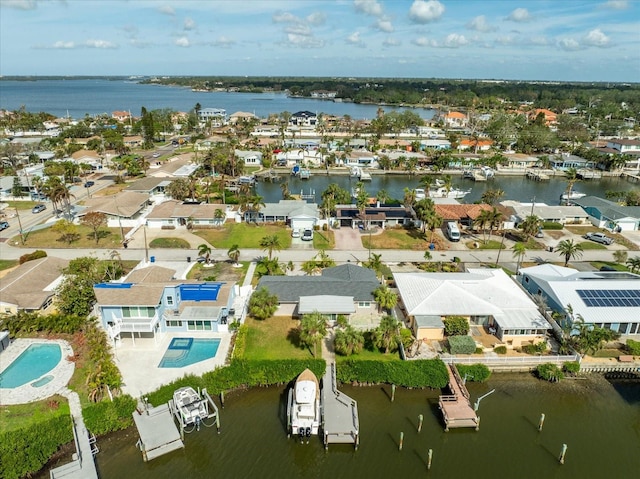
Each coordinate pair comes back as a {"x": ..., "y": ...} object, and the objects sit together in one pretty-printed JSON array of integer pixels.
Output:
[
  {"x": 599, "y": 421},
  {"x": 515, "y": 187}
]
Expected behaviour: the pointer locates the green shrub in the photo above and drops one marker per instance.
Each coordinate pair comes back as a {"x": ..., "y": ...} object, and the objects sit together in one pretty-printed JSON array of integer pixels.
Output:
[
  {"x": 571, "y": 367},
  {"x": 479, "y": 351},
  {"x": 24, "y": 451},
  {"x": 37, "y": 254},
  {"x": 462, "y": 345},
  {"x": 474, "y": 372},
  {"x": 500, "y": 350},
  {"x": 633, "y": 347},
  {"x": 108, "y": 416},
  {"x": 431, "y": 373},
  {"x": 549, "y": 372},
  {"x": 240, "y": 342},
  {"x": 551, "y": 225},
  {"x": 29, "y": 322},
  {"x": 535, "y": 349},
  {"x": 456, "y": 326},
  {"x": 325, "y": 227}
]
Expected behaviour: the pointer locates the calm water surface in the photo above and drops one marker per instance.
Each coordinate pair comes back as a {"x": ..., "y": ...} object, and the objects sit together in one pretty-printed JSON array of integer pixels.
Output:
[
  {"x": 598, "y": 421},
  {"x": 77, "y": 98}
]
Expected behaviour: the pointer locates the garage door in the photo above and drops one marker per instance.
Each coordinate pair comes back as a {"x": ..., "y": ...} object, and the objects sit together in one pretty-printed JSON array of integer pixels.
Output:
[{"x": 301, "y": 223}]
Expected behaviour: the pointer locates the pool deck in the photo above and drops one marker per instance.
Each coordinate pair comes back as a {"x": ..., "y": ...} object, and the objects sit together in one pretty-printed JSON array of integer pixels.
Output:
[
  {"x": 139, "y": 363},
  {"x": 27, "y": 393}
]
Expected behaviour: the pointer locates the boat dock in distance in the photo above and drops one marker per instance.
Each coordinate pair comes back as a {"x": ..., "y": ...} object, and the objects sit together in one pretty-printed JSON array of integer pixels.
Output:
[
  {"x": 456, "y": 407},
  {"x": 537, "y": 175},
  {"x": 341, "y": 424}
]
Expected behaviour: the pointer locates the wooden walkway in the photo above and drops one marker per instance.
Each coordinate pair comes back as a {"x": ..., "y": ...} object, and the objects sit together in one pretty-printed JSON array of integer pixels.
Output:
[
  {"x": 456, "y": 407},
  {"x": 340, "y": 422},
  {"x": 158, "y": 433}
]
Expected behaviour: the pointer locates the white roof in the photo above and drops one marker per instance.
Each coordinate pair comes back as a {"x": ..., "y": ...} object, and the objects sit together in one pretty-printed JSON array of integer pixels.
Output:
[
  {"x": 478, "y": 292},
  {"x": 326, "y": 304}
]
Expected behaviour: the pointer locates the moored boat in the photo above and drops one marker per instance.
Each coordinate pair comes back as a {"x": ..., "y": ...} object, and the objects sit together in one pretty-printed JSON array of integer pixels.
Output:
[
  {"x": 190, "y": 408},
  {"x": 303, "y": 406},
  {"x": 573, "y": 195}
]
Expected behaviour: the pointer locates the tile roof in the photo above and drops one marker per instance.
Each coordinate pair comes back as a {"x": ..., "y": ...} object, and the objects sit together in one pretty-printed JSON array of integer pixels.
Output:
[{"x": 459, "y": 211}]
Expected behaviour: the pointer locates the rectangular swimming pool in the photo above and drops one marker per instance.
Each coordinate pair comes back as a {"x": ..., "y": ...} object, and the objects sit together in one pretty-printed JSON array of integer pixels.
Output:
[{"x": 184, "y": 352}]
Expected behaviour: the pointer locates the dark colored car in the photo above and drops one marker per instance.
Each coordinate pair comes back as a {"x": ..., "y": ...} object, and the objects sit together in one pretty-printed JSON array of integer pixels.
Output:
[
  {"x": 4, "y": 225},
  {"x": 38, "y": 208},
  {"x": 89, "y": 184}
]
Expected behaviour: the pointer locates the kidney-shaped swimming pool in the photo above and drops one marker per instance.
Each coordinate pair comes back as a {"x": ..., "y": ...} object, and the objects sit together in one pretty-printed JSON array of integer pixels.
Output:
[{"x": 35, "y": 361}]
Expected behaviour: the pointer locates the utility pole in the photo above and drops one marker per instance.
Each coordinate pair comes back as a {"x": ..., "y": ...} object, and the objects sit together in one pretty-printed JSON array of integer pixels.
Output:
[{"x": 20, "y": 226}]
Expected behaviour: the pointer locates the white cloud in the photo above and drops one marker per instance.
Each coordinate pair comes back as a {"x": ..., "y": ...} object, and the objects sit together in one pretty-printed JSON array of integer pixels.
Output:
[
  {"x": 384, "y": 26},
  {"x": 19, "y": 4},
  {"x": 539, "y": 40},
  {"x": 189, "y": 24},
  {"x": 368, "y": 7},
  {"x": 568, "y": 44},
  {"x": 167, "y": 10},
  {"x": 354, "y": 39},
  {"x": 60, "y": 45},
  {"x": 520, "y": 15},
  {"x": 182, "y": 42},
  {"x": 616, "y": 5},
  {"x": 298, "y": 29},
  {"x": 420, "y": 41},
  {"x": 506, "y": 40},
  {"x": 480, "y": 24},
  {"x": 304, "y": 41},
  {"x": 391, "y": 42},
  {"x": 317, "y": 18},
  {"x": 284, "y": 17},
  {"x": 224, "y": 42},
  {"x": 102, "y": 44},
  {"x": 595, "y": 38},
  {"x": 426, "y": 11},
  {"x": 454, "y": 40}
]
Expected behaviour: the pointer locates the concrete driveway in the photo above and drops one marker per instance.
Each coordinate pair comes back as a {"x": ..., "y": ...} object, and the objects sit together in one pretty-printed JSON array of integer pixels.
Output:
[{"x": 347, "y": 239}]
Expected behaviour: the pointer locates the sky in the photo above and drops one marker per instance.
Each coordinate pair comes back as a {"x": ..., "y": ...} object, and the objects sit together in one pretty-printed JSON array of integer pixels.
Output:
[{"x": 550, "y": 40}]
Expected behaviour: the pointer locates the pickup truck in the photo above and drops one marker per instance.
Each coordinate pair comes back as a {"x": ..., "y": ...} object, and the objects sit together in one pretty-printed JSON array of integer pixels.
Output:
[{"x": 599, "y": 238}]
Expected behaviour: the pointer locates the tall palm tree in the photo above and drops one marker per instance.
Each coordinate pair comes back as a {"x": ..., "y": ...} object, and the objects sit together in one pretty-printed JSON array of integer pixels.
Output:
[
  {"x": 234, "y": 253},
  {"x": 492, "y": 196},
  {"x": 572, "y": 177},
  {"x": 482, "y": 222},
  {"x": 519, "y": 250},
  {"x": 205, "y": 250},
  {"x": 386, "y": 335},
  {"x": 349, "y": 341},
  {"x": 530, "y": 225},
  {"x": 313, "y": 327},
  {"x": 569, "y": 250},
  {"x": 495, "y": 219},
  {"x": 385, "y": 298},
  {"x": 271, "y": 243},
  {"x": 219, "y": 216},
  {"x": 634, "y": 264},
  {"x": 409, "y": 197}
]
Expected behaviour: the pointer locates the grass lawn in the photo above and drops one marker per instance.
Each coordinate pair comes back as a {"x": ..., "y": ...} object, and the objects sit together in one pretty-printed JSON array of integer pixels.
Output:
[
  {"x": 324, "y": 240},
  {"x": 630, "y": 245},
  {"x": 21, "y": 415},
  {"x": 369, "y": 355},
  {"x": 396, "y": 238},
  {"x": 169, "y": 243},
  {"x": 591, "y": 245},
  {"x": 22, "y": 205},
  {"x": 110, "y": 190},
  {"x": 7, "y": 263},
  {"x": 582, "y": 230},
  {"x": 220, "y": 270},
  {"x": 275, "y": 338},
  {"x": 607, "y": 353},
  {"x": 47, "y": 238},
  {"x": 245, "y": 235},
  {"x": 490, "y": 244},
  {"x": 616, "y": 266}
]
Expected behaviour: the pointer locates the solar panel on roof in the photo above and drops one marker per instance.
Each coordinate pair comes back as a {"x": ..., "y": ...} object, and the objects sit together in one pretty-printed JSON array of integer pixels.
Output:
[{"x": 604, "y": 298}]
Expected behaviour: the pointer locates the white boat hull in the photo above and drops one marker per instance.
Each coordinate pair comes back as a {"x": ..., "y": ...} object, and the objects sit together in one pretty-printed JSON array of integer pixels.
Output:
[{"x": 303, "y": 404}]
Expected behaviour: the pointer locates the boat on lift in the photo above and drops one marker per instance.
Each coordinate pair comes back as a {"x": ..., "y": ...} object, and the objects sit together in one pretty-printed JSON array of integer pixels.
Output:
[
  {"x": 439, "y": 190},
  {"x": 303, "y": 406},
  {"x": 190, "y": 408}
]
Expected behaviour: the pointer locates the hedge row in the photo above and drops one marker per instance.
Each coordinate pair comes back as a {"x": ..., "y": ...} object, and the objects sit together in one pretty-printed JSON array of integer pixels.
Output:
[
  {"x": 462, "y": 345},
  {"x": 242, "y": 373},
  {"x": 25, "y": 451},
  {"x": 633, "y": 347},
  {"x": 474, "y": 372},
  {"x": 551, "y": 225},
  {"x": 37, "y": 254},
  {"x": 106, "y": 416},
  {"x": 430, "y": 373}
]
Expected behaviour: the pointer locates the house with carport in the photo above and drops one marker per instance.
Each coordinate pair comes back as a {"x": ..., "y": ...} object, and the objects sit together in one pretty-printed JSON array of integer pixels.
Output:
[
  {"x": 174, "y": 214},
  {"x": 296, "y": 213},
  {"x": 380, "y": 216},
  {"x": 610, "y": 215},
  {"x": 491, "y": 301},
  {"x": 341, "y": 290}
]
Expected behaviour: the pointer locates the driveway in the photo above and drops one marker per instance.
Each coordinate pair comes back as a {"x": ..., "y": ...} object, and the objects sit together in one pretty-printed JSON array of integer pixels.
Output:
[{"x": 347, "y": 239}]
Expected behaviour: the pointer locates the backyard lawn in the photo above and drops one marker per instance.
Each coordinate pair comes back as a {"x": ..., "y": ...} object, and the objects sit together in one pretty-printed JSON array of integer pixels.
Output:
[
  {"x": 274, "y": 338},
  {"x": 21, "y": 415},
  {"x": 245, "y": 235},
  {"x": 47, "y": 238}
]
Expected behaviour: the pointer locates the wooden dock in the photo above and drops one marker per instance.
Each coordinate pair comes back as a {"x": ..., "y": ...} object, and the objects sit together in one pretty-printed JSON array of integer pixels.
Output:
[
  {"x": 340, "y": 423},
  {"x": 158, "y": 432},
  {"x": 586, "y": 174},
  {"x": 537, "y": 175},
  {"x": 456, "y": 407}
]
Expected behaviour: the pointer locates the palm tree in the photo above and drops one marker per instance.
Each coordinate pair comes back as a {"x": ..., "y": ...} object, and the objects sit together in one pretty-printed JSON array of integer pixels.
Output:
[
  {"x": 634, "y": 264},
  {"x": 386, "y": 334},
  {"x": 519, "y": 249},
  {"x": 349, "y": 341},
  {"x": 219, "y": 216},
  {"x": 530, "y": 225},
  {"x": 234, "y": 253},
  {"x": 374, "y": 263},
  {"x": 482, "y": 221},
  {"x": 620, "y": 256},
  {"x": 409, "y": 197},
  {"x": 205, "y": 250},
  {"x": 385, "y": 298},
  {"x": 492, "y": 196},
  {"x": 271, "y": 243},
  {"x": 569, "y": 250},
  {"x": 495, "y": 219},
  {"x": 383, "y": 197},
  {"x": 313, "y": 327},
  {"x": 572, "y": 177}
]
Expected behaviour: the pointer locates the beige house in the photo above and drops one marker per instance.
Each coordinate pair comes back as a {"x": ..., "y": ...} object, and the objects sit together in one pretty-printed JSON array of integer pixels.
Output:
[
  {"x": 31, "y": 286},
  {"x": 492, "y": 302}
]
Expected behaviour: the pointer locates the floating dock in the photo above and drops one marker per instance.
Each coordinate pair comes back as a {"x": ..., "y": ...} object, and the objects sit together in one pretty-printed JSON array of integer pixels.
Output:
[
  {"x": 158, "y": 432},
  {"x": 340, "y": 423},
  {"x": 456, "y": 407}
]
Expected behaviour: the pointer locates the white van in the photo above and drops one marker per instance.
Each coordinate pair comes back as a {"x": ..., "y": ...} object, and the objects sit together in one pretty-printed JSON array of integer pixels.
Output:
[{"x": 452, "y": 231}]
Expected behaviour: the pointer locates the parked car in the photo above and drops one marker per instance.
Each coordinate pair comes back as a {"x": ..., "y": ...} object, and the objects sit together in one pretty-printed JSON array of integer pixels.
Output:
[
  {"x": 89, "y": 184},
  {"x": 156, "y": 155},
  {"x": 295, "y": 233},
  {"x": 307, "y": 234},
  {"x": 38, "y": 208},
  {"x": 599, "y": 238},
  {"x": 4, "y": 225}
]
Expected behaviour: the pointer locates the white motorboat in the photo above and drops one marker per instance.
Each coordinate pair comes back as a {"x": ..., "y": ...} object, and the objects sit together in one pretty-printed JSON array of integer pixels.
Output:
[
  {"x": 441, "y": 192},
  {"x": 420, "y": 194},
  {"x": 573, "y": 195},
  {"x": 190, "y": 407},
  {"x": 303, "y": 412}
]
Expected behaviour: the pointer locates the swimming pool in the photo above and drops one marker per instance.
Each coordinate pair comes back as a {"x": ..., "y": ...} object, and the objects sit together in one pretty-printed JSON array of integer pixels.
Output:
[
  {"x": 35, "y": 361},
  {"x": 183, "y": 352}
]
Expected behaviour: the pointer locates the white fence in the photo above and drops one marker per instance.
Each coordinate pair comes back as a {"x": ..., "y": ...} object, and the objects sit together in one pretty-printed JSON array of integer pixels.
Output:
[{"x": 510, "y": 361}]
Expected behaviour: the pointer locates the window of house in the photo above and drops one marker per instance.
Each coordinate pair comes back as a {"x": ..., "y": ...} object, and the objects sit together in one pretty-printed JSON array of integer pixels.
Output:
[
  {"x": 169, "y": 300},
  {"x": 526, "y": 279},
  {"x": 364, "y": 304},
  {"x": 174, "y": 324}
]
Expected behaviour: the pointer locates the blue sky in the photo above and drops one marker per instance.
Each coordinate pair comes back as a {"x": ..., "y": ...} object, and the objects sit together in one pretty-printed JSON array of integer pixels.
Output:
[{"x": 561, "y": 40}]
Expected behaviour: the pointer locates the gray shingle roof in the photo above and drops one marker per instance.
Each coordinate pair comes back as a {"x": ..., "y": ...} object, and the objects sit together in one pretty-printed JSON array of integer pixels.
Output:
[{"x": 607, "y": 208}]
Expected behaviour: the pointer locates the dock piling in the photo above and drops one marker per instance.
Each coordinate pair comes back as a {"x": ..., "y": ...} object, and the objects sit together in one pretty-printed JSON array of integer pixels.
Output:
[
  {"x": 401, "y": 441},
  {"x": 562, "y": 453},
  {"x": 222, "y": 399},
  {"x": 420, "y": 419},
  {"x": 541, "y": 423},
  {"x": 429, "y": 458},
  {"x": 393, "y": 392}
]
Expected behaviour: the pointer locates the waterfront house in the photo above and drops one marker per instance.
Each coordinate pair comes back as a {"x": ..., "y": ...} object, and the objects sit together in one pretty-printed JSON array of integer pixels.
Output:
[
  {"x": 32, "y": 286},
  {"x": 519, "y": 161},
  {"x": 297, "y": 213},
  {"x": 609, "y": 300},
  {"x": 465, "y": 214},
  {"x": 124, "y": 209},
  {"x": 303, "y": 118},
  {"x": 380, "y": 216},
  {"x": 216, "y": 116},
  {"x": 341, "y": 290},
  {"x": 566, "y": 215},
  {"x": 173, "y": 214},
  {"x": 608, "y": 214},
  {"x": 564, "y": 161},
  {"x": 149, "y": 303},
  {"x": 249, "y": 158},
  {"x": 488, "y": 298},
  {"x": 454, "y": 119}
]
